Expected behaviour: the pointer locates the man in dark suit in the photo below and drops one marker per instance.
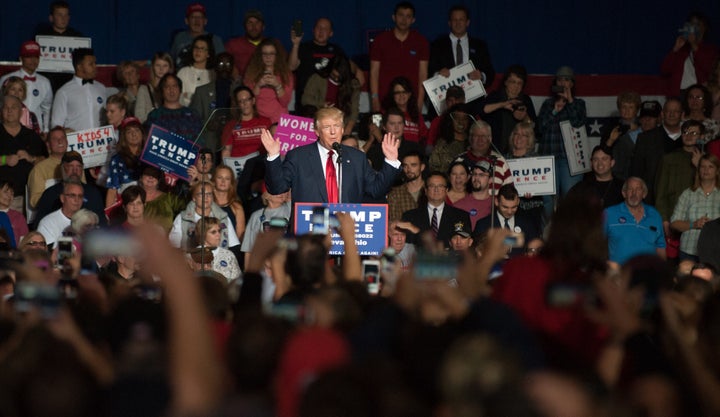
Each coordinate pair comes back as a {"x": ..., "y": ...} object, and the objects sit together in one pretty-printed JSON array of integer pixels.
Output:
[
  {"x": 507, "y": 217},
  {"x": 446, "y": 217},
  {"x": 304, "y": 168},
  {"x": 444, "y": 50},
  {"x": 653, "y": 144}
]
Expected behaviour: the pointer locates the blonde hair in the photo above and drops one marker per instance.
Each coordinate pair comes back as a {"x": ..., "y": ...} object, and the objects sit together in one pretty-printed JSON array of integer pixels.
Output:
[{"x": 328, "y": 113}]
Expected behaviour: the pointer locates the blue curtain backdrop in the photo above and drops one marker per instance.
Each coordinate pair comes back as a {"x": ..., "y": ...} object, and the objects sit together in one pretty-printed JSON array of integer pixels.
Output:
[{"x": 595, "y": 37}]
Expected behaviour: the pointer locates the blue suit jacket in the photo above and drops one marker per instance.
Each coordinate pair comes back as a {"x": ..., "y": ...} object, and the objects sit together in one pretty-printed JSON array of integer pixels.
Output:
[{"x": 302, "y": 172}]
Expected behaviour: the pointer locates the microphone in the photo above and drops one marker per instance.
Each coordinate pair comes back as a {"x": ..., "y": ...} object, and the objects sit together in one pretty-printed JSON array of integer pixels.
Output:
[{"x": 337, "y": 148}]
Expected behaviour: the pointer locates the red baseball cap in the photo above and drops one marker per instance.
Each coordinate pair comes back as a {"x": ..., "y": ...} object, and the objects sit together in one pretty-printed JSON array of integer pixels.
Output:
[
  {"x": 195, "y": 7},
  {"x": 29, "y": 48},
  {"x": 130, "y": 121}
]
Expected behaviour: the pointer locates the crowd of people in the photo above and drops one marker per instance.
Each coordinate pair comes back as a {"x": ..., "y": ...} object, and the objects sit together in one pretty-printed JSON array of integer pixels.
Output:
[{"x": 127, "y": 290}]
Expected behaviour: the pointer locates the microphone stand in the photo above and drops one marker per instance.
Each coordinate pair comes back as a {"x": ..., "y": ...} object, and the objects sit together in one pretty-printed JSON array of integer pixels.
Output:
[
  {"x": 492, "y": 194},
  {"x": 338, "y": 148},
  {"x": 203, "y": 161}
]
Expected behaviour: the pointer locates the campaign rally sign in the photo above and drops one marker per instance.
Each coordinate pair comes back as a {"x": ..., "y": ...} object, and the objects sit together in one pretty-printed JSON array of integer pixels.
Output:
[
  {"x": 95, "y": 145},
  {"x": 370, "y": 225},
  {"x": 238, "y": 164},
  {"x": 577, "y": 147},
  {"x": 437, "y": 86},
  {"x": 294, "y": 131},
  {"x": 56, "y": 52},
  {"x": 533, "y": 175},
  {"x": 169, "y": 151}
]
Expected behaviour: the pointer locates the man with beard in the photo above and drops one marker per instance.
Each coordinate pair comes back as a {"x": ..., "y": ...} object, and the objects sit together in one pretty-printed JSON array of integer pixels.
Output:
[
  {"x": 405, "y": 197},
  {"x": 477, "y": 203},
  {"x": 243, "y": 47},
  {"x": 480, "y": 150},
  {"x": 632, "y": 227},
  {"x": 196, "y": 20}
]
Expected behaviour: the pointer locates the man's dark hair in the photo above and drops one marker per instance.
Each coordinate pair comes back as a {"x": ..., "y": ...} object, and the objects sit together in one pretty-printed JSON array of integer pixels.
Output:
[
  {"x": 404, "y": 5},
  {"x": 79, "y": 54},
  {"x": 4, "y": 182},
  {"x": 437, "y": 174},
  {"x": 690, "y": 123},
  {"x": 208, "y": 39},
  {"x": 306, "y": 265},
  {"x": 602, "y": 148},
  {"x": 508, "y": 192},
  {"x": 60, "y": 4},
  {"x": 459, "y": 8},
  {"x": 392, "y": 111},
  {"x": 412, "y": 153}
]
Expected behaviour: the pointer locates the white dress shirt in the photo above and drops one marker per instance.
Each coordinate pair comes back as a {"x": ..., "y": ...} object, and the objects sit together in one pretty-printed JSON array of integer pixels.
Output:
[{"x": 78, "y": 106}]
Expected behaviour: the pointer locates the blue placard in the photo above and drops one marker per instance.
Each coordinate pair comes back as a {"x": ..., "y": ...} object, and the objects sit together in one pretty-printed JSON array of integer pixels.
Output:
[
  {"x": 169, "y": 152},
  {"x": 370, "y": 225}
]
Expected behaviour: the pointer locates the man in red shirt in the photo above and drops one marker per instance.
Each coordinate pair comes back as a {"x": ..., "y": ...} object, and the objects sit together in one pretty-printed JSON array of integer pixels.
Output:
[
  {"x": 242, "y": 47},
  {"x": 399, "y": 52}
]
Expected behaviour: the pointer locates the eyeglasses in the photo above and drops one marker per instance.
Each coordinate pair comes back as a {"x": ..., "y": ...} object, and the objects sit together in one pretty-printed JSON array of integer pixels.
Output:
[
  {"x": 691, "y": 133},
  {"x": 77, "y": 196},
  {"x": 36, "y": 243},
  {"x": 701, "y": 98},
  {"x": 436, "y": 186}
]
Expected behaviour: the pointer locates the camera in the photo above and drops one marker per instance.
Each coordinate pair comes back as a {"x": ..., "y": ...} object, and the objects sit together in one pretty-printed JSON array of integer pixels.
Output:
[
  {"x": 689, "y": 29},
  {"x": 519, "y": 106},
  {"x": 557, "y": 89}
]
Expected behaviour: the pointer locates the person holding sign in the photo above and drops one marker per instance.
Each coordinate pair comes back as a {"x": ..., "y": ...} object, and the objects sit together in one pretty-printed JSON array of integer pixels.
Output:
[
  {"x": 522, "y": 145},
  {"x": 457, "y": 48},
  {"x": 241, "y": 135},
  {"x": 125, "y": 164},
  {"x": 305, "y": 168}
]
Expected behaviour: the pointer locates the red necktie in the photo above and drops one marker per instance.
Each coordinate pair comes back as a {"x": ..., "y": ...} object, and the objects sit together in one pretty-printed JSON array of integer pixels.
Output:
[
  {"x": 27, "y": 78},
  {"x": 330, "y": 179}
]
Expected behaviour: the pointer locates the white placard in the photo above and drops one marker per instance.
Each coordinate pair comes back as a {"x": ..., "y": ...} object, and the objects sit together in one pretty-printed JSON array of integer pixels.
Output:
[
  {"x": 534, "y": 175},
  {"x": 56, "y": 52},
  {"x": 436, "y": 87},
  {"x": 238, "y": 164},
  {"x": 577, "y": 148},
  {"x": 95, "y": 145}
]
